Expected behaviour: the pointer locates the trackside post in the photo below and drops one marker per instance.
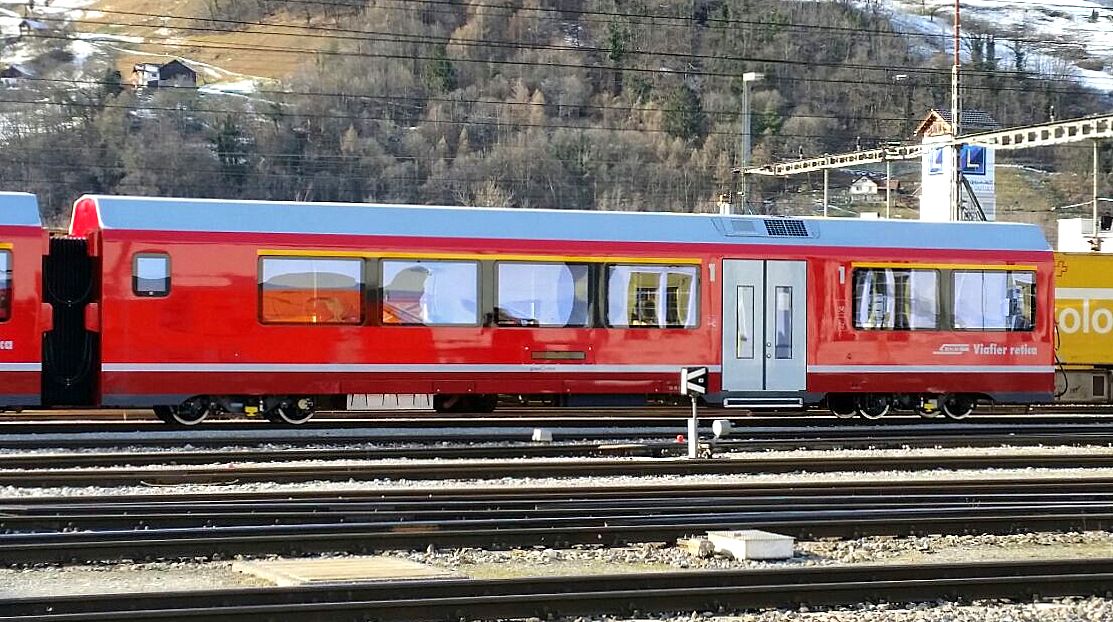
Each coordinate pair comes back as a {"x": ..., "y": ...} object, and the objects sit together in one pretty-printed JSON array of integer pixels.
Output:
[{"x": 693, "y": 383}]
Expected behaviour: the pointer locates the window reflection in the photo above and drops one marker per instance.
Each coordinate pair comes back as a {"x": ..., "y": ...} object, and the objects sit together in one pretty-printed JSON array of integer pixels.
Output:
[
  {"x": 652, "y": 296},
  {"x": 430, "y": 292},
  {"x": 994, "y": 300},
  {"x": 895, "y": 299},
  {"x": 534, "y": 294}
]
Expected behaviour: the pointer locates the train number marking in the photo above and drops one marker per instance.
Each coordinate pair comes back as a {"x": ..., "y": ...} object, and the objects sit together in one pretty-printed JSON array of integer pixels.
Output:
[{"x": 7, "y": 345}]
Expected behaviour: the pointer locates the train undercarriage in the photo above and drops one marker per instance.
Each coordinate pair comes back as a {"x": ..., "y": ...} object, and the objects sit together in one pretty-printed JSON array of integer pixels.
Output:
[{"x": 296, "y": 410}]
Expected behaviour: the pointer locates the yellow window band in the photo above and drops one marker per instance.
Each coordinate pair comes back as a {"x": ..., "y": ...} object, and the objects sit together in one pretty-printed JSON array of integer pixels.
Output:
[
  {"x": 943, "y": 266},
  {"x": 435, "y": 256}
]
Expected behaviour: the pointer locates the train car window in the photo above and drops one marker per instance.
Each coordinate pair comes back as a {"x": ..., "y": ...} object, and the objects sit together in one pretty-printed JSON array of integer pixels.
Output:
[
  {"x": 994, "y": 300},
  {"x": 5, "y": 286},
  {"x": 895, "y": 299},
  {"x": 150, "y": 275},
  {"x": 539, "y": 294},
  {"x": 310, "y": 290},
  {"x": 782, "y": 302},
  {"x": 652, "y": 296},
  {"x": 430, "y": 293}
]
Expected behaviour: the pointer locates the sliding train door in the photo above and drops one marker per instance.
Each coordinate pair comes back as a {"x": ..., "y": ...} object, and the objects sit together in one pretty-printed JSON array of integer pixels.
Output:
[{"x": 764, "y": 325}]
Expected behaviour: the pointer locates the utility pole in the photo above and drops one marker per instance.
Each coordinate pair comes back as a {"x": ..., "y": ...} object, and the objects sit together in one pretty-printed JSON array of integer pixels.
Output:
[
  {"x": 1096, "y": 243},
  {"x": 888, "y": 188},
  {"x": 956, "y": 124},
  {"x": 747, "y": 78}
]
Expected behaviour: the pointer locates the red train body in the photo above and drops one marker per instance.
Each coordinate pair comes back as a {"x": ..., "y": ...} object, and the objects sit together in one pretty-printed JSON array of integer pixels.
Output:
[
  {"x": 282, "y": 308},
  {"x": 23, "y": 318}
]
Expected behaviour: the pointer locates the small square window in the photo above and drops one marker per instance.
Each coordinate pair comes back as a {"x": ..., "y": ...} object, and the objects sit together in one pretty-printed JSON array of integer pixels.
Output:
[{"x": 150, "y": 275}]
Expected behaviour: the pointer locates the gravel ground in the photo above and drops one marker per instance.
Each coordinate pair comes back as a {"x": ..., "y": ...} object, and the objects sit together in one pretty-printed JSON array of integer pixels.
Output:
[
  {"x": 121, "y": 578},
  {"x": 159, "y": 577},
  {"x": 1051, "y": 610}
]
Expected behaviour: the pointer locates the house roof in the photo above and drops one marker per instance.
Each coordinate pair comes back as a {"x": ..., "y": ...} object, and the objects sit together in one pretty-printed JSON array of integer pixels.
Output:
[
  {"x": 175, "y": 64},
  {"x": 121, "y": 213},
  {"x": 972, "y": 119},
  {"x": 14, "y": 71}
]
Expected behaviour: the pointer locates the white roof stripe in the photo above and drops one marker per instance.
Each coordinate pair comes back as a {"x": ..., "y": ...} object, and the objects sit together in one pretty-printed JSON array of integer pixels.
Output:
[{"x": 213, "y": 215}]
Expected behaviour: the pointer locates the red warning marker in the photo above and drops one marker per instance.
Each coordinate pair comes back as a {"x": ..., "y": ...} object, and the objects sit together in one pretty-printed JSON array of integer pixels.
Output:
[{"x": 680, "y": 438}]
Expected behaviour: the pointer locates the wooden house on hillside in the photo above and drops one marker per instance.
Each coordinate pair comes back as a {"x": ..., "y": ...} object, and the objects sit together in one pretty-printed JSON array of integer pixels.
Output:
[{"x": 173, "y": 73}]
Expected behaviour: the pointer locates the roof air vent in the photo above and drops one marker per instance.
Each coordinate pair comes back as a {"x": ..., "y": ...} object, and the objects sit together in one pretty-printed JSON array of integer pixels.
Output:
[{"x": 786, "y": 228}]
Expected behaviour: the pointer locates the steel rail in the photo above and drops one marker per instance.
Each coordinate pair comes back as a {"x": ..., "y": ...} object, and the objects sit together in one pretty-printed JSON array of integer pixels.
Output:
[
  {"x": 570, "y": 520},
  {"x": 533, "y": 494},
  {"x": 586, "y": 420},
  {"x": 534, "y": 469},
  {"x": 747, "y": 442},
  {"x": 544, "y": 597},
  {"x": 485, "y": 450},
  {"x": 15, "y": 521}
]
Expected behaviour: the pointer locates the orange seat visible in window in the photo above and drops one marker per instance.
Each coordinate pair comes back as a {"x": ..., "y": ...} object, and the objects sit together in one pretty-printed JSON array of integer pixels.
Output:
[{"x": 312, "y": 307}]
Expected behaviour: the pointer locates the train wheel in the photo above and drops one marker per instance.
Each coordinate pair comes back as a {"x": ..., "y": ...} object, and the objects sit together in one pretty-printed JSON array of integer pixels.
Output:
[
  {"x": 842, "y": 406},
  {"x": 295, "y": 412},
  {"x": 191, "y": 413},
  {"x": 958, "y": 406},
  {"x": 873, "y": 405}
]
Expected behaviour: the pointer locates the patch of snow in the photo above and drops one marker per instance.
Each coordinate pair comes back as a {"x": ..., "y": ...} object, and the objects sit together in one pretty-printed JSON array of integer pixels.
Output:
[
  {"x": 238, "y": 87},
  {"x": 1051, "y": 32},
  {"x": 97, "y": 36},
  {"x": 61, "y": 6}
]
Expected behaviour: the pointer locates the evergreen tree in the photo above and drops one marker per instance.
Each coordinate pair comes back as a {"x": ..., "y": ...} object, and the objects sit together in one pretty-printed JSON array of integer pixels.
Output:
[{"x": 684, "y": 116}]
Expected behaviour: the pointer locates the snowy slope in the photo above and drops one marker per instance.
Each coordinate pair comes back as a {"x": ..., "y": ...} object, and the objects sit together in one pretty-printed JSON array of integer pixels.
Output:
[
  {"x": 1055, "y": 34},
  {"x": 92, "y": 44}
]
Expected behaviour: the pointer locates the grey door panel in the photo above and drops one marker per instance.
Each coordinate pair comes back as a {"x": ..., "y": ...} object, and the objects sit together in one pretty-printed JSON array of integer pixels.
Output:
[{"x": 764, "y": 325}]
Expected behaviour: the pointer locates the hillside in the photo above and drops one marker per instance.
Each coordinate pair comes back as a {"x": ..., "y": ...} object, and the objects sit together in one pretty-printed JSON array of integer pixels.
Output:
[{"x": 601, "y": 104}]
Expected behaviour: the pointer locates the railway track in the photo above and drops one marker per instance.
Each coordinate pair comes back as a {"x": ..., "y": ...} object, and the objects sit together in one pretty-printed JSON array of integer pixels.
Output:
[
  {"x": 541, "y": 468},
  {"x": 644, "y": 448},
  {"x": 546, "y": 597},
  {"x": 46, "y": 422},
  {"x": 42, "y": 530},
  {"x": 745, "y": 438}
]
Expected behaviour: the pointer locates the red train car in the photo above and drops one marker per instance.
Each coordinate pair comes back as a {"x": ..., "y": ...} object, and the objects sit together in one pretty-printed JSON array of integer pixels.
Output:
[
  {"x": 283, "y": 308},
  {"x": 23, "y": 317}
]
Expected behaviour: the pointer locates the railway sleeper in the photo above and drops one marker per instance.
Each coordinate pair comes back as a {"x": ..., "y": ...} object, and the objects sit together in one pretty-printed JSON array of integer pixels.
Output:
[{"x": 876, "y": 405}]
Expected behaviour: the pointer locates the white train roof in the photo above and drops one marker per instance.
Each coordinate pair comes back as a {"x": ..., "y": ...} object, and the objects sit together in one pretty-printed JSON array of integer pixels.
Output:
[
  {"x": 19, "y": 209},
  {"x": 213, "y": 215}
]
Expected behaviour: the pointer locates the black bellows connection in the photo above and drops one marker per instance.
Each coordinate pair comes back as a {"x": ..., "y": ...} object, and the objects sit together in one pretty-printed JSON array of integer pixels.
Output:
[{"x": 70, "y": 352}]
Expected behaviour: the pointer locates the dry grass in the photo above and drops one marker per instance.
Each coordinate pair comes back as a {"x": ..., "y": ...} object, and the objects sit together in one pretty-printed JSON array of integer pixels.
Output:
[{"x": 255, "y": 55}]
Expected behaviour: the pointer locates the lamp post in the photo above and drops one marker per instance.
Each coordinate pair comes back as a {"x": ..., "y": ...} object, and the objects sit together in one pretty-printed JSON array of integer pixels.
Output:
[{"x": 747, "y": 78}]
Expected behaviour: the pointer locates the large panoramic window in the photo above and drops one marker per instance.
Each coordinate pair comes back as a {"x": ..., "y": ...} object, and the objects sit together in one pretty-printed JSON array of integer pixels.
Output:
[
  {"x": 538, "y": 294},
  {"x": 896, "y": 299},
  {"x": 995, "y": 300},
  {"x": 652, "y": 296},
  {"x": 311, "y": 290},
  {"x": 430, "y": 293}
]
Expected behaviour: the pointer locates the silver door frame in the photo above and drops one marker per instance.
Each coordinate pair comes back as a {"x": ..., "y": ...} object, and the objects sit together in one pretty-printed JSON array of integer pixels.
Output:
[{"x": 768, "y": 351}]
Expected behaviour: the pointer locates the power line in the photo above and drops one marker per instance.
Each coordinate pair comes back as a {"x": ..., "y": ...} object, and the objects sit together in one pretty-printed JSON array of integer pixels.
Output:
[
  {"x": 687, "y": 72},
  {"x": 403, "y": 38}
]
